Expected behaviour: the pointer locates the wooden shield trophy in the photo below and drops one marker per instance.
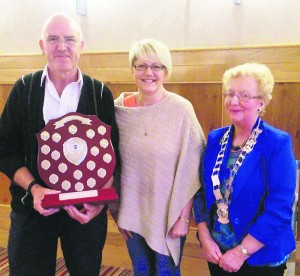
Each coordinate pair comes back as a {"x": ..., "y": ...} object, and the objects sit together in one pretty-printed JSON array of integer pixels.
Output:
[{"x": 76, "y": 157}]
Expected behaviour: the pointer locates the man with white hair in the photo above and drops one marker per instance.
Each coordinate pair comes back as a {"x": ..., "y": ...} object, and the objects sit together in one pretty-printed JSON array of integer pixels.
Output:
[{"x": 34, "y": 100}]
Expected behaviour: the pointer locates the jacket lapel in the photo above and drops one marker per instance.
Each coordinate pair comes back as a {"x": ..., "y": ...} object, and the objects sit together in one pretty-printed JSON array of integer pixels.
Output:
[{"x": 251, "y": 163}]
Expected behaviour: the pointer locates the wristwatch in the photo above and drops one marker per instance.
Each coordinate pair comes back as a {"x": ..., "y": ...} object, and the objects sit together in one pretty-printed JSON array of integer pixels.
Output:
[
  {"x": 244, "y": 251},
  {"x": 31, "y": 184}
]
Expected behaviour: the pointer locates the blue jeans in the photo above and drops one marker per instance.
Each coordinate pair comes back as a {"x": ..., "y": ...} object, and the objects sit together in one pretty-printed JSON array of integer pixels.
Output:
[{"x": 147, "y": 262}]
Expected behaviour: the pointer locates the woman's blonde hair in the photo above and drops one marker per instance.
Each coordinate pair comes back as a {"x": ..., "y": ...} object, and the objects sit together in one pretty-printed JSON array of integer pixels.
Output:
[
  {"x": 147, "y": 48},
  {"x": 260, "y": 72}
]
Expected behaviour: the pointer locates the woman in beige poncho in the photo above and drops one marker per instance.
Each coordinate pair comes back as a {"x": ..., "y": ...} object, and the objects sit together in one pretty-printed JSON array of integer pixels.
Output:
[{"x": 161, "y": 142}]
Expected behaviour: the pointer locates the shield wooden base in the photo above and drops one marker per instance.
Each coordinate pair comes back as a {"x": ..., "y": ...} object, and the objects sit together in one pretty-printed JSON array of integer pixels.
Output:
[{"x": 101, "y": 196}]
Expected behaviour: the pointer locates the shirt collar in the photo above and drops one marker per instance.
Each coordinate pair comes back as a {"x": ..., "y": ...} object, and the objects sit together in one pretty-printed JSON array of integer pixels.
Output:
[{"x": 46, "y": 75}]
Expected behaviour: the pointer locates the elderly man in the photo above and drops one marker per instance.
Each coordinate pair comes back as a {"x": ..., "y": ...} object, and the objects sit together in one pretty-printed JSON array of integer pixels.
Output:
[{"x": 34, "y": 100}]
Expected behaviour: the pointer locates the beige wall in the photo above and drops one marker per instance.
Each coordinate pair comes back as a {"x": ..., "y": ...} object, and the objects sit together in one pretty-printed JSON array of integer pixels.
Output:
[{"x": 116, "y": 24}]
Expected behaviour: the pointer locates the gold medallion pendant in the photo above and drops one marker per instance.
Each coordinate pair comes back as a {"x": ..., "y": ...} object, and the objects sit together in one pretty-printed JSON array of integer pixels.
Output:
[{"x": 222, "y": 213}]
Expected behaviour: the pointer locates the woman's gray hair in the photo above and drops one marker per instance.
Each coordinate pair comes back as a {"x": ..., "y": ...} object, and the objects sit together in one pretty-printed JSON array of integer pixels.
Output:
[{"x": 260, "y": 72}]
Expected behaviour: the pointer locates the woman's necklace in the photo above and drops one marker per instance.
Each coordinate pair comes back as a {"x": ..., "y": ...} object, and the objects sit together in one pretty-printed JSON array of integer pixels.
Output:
[
  {"x": 150, "y": 117},
  {"x": 148, "y": 113},
  {"x": 223, "y": 202},
  {"x": 238, "y": 148}
]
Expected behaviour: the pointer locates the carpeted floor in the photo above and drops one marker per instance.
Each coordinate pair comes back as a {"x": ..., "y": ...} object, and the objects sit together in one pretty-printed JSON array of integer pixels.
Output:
[{"x": 61, "y": 269}]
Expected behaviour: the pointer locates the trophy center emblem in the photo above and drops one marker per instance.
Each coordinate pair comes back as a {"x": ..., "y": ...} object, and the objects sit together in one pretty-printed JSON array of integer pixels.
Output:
[{"x": 75, "y": 150}]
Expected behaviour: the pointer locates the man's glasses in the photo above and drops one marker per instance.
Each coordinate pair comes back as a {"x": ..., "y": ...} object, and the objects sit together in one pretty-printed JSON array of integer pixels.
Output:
[
  {"x": 242, "y": 96},
  {"x": 144, "y": 67}
]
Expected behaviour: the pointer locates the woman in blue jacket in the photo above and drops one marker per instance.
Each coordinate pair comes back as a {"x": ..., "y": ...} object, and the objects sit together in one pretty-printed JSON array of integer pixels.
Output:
[{"x": 244, "y": 207}]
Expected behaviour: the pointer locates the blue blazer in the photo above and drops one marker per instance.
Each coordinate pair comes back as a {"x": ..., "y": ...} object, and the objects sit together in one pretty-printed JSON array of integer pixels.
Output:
[{"x": 263, "y": 192}]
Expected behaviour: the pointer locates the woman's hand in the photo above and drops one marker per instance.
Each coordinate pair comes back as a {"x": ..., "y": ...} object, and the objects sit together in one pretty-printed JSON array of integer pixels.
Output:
[
  {"x": 211, "y": 250},
  {"x": 179, "y": 229},
  {"x": 181, "y": 226},
  {"x": 232, "y": 260}
]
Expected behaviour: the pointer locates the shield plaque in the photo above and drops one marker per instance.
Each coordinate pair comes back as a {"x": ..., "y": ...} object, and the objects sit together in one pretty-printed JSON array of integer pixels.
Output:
[{"x": 76, "y": 157}]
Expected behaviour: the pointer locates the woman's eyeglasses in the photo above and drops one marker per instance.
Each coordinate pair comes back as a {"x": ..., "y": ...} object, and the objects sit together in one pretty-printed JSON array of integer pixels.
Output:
[
  {"x": 242, "y": 96},
  {"x": 144, "y": 67}
]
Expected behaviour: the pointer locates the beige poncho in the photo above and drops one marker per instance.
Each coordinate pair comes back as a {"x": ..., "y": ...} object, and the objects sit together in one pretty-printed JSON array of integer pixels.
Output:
[{"x": 160, "y": 148}]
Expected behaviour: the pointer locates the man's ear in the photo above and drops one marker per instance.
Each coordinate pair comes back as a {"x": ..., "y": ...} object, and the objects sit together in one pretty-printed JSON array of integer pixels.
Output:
[
  {"x": 81, "y": 47},
  {"x": 41, "y": 43}
]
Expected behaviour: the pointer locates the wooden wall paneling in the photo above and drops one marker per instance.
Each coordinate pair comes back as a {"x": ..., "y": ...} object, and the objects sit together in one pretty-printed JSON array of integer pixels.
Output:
[
  {"x": 4, "y": 224},
  {"x": 283, "y": 61},
  {"x": 107, "y": 67},
  {"x": 11, "y": 75},
  {"x": 118, "y": 88},
  {"x": 197, "y": 74},
  {"x": 199, "y": 57},
  {"x": 206, "y": 100},
  {"x": 4, "y": 92},
  {"x": 283, "y": 111},
  {"x": 298, "y": 205},
  {"x": 268, "y": 54},
  {"x": 285, "y": 72},
  {"x": 104, "y": 60},
  {"x": 113, "y": 74},
  {"x": 34, "y": 61},
  {"x": 194, "y": 66},
  {"x": 5, "y": 196},
  {"x": 14, "y": 66}
]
